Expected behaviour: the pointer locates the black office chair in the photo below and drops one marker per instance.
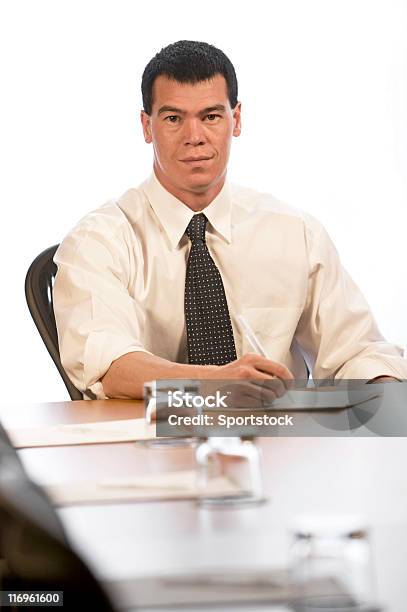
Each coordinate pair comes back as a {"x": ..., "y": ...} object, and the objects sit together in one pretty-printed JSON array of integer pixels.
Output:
[
  {"x": 38, "y": 291},
  {"x": 34, "y": 551}
]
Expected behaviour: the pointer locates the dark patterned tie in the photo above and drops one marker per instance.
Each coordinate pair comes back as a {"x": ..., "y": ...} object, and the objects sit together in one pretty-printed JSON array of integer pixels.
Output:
[{"x": 209, "y": 330}]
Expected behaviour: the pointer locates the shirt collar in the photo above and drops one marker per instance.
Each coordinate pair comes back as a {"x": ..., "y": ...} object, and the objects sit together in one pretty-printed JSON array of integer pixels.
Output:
[{"x": 174, "y": 215}]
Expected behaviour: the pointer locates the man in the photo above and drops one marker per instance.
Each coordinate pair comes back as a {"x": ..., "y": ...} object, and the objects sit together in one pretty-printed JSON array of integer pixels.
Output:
[{"x": 150, "y": 286}]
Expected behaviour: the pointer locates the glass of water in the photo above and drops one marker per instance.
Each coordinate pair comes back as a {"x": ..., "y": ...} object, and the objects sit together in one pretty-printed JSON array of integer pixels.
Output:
[
  {"x": 331, "y": 565},
  {"x": 155, "y": 403},
  {"x": 229, "y": 471}
]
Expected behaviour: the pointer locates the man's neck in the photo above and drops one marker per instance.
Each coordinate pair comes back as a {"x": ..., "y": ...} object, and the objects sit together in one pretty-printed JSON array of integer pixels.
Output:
[{"x": 195, "y": 200}]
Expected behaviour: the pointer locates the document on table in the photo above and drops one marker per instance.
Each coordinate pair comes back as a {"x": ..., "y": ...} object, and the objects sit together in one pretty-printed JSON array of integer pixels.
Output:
[
  {"x": 306, "y": 398},
  {"x": 163, "y": 486},
  {"x": 127, "y": 430},
  {"x": 226, "y": 586},
  {"x": 325, "y": 398}
]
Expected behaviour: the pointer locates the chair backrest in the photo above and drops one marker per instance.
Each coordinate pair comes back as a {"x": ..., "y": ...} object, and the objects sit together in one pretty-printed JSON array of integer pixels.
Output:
[
  {"x": 38, "y": 291},
  {"x": 35, "y": 553}
]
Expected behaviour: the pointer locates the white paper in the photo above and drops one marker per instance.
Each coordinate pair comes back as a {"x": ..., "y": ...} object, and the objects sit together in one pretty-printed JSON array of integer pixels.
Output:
[
  {"x": 170, "y": 485},
  {"x": 103, "y": 432},
  {"x": 228, "y": 586}
]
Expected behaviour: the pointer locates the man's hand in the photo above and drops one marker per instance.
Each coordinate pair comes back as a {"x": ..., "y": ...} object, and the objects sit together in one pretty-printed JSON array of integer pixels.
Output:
[
  {"x": 259, "y": 381},
  {"x": 254, "y": 367}
]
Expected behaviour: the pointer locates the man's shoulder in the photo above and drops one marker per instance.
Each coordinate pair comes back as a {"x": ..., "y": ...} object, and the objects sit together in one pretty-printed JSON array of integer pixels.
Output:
[
  {"x": 109, "y": 224},
  {"x": 252, "y": 200},
  {"x": 133, "y": 204},
  {"x": 124, "y": 210},
  {"x": 114, "y": 214},
  {"x": 248, "y": 202}
]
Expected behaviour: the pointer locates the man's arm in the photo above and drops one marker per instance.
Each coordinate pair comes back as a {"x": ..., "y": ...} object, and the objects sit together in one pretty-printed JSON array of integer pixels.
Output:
[
  {"x": 337, "y": 330},
  {"x": 126, "y": 376}
]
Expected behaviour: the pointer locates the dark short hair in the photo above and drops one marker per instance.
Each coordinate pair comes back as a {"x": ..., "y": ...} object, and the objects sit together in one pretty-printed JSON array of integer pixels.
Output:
[{"x": 188, "y": 61}]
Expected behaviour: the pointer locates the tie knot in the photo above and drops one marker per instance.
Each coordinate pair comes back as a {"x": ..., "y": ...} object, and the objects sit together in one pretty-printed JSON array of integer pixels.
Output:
[{"x": 196, "y": 228}]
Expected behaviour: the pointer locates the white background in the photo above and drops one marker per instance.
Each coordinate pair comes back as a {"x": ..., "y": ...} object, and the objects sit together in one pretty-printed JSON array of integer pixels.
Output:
[{"x": 323, "y": 86}]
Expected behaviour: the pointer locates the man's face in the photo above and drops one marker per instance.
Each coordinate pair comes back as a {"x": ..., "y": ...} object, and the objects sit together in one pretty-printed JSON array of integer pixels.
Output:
[{"x": 191, "y": 128}]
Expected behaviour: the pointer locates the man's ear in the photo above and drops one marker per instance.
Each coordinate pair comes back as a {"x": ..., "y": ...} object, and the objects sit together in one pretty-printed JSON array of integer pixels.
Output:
[
  {"x": 146, "y": 124},
  {"x": 237, "y": 120}
]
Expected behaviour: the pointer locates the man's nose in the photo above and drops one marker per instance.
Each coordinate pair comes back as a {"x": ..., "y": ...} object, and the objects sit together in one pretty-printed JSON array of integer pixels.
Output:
[{"x": 194, "y": 133}]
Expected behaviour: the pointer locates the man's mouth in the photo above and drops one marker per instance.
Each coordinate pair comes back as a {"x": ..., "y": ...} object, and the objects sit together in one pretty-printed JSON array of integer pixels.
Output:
[{"x": 191, "y": 160}]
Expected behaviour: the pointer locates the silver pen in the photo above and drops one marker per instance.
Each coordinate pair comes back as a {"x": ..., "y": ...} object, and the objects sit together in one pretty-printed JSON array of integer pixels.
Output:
[{"x": 251, "y": 336}]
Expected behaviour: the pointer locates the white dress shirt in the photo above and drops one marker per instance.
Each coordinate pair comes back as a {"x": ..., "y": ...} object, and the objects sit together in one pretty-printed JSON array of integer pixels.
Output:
[{"x": 121, "y": 281}]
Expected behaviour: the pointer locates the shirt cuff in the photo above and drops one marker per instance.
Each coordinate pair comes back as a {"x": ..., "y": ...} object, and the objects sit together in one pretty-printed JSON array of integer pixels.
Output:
[{"x": 101, "y": 350}]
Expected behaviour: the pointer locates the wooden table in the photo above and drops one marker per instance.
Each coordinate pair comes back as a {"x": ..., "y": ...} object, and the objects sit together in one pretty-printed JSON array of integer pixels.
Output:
[{"x": 302, "y": 475}]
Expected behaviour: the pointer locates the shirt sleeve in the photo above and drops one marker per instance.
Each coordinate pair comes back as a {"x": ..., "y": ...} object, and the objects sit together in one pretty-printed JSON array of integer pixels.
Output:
[
  {"x": 97, "y": 319},
  {"x": 337, "y": 330}
]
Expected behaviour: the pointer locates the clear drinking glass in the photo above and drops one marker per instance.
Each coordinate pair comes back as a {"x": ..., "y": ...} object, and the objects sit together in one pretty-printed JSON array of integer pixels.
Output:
[
  {"x": 331, "y": 565},
  {"x": 154, "y": 400},
  {"x": 229, "y": 471}
]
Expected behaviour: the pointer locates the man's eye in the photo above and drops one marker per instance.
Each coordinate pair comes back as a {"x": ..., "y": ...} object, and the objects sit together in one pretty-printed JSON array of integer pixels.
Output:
[
  {"x": 212, "y": 117},
  {"x": 172, "y": 119}
]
